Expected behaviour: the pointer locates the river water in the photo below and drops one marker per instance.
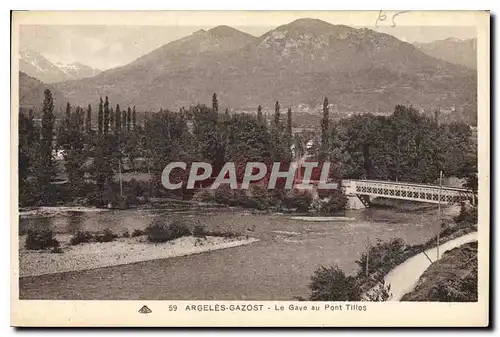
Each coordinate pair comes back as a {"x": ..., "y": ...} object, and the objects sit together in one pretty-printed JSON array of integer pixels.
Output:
[{"x": 278, "y": 267}]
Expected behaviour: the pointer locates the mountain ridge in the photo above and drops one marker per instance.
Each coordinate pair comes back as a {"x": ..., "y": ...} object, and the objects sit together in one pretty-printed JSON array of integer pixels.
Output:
[
  {"x": 453, "y": 50},
  {"x": 298, "y": 64},
  {"x": 36, "y": 65}
]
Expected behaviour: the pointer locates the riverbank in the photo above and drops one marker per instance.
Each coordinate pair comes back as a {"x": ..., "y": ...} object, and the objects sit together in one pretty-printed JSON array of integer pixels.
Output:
[
  {"x": 452, "y": 279},
  {"x": 122, "y": 251},
  {"x": 51, "y": 211}
]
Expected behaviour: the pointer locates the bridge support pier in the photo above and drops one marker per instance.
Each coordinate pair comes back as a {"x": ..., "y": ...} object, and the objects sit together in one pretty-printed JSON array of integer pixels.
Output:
[{"x": 354, "y": 202}]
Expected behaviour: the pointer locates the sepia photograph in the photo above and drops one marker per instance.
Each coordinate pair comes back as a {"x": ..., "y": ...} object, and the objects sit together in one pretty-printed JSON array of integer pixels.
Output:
[{"x": 258, "y": 163}]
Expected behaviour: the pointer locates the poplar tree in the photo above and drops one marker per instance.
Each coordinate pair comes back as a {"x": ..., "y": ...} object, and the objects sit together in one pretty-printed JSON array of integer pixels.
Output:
[
  {"x": 289, "y": 127},
  {"x": 124, "y": 119},
  {"x": 134, "y": 118},
  {"x": 45, "y": 167},
  {"x": 106, "y": 116},
  {"x": 129, "y": 118},
  {"x": 100, "y": 117},
  {"x": 68, "y": 113},
  {"x": 259, "y": 113},
  {"x": 215, "y": 103},
  {"x": 277, "y": 113},
  {"x": 118, "y": 124},
  {"x": 111, "y": 118},
  {"x": 88, "y": 121},
  {"x": 324, "y": 128}
]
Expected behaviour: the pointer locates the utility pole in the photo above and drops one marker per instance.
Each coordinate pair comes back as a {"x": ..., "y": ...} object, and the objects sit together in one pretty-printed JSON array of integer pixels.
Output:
[
  {"x": 440, "y": 214},
  {"x": 120, "y": 178},
  {"x": 367, "y": 256}
]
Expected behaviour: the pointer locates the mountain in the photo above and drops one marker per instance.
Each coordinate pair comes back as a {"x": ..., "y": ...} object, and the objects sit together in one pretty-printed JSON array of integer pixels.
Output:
[
  {"x": 36, "y": 65},
  {"x": 31, "y": 94},
  {"x": 77, "y": 70},
  {"x": 300, "y": 63},
  {"x": 452, "y": 50}
]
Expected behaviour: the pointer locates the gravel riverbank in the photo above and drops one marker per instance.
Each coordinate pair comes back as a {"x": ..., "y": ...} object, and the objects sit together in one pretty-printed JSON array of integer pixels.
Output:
[{"x": 122, "y": 251}]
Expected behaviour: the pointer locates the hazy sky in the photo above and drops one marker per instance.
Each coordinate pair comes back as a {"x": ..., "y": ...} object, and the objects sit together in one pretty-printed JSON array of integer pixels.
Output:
[{"x": 105, "y": 47}]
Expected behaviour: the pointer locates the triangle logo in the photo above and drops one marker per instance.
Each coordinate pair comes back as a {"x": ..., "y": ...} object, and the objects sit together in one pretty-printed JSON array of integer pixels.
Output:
[{"x": 145, "y": 310}]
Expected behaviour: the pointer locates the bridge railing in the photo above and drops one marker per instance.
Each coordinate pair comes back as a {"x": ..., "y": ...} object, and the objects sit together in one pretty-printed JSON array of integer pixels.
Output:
[{"x": 416, "y": 192}]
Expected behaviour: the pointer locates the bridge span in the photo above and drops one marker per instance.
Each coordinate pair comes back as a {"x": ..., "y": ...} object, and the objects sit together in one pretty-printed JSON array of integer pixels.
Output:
[{"x": 366, "y": 189}]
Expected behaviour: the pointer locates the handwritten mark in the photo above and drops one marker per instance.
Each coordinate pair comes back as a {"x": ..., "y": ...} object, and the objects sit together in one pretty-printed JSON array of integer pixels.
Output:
[{"x": 383, "y": 17}]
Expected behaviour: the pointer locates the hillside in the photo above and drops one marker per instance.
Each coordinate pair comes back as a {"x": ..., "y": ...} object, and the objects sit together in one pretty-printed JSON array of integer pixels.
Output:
[
  {"x": 31, "y": 94},
  {"x": 453, "y": 50},
  {"x": 299, "y": 63}
]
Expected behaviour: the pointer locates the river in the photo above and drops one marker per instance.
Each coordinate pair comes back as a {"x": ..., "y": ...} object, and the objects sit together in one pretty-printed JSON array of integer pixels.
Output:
[{"x": 278, "y": 267}]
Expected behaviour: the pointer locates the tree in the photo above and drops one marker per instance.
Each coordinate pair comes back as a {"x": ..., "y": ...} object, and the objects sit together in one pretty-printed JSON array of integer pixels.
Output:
[
  {"x": 111, "y": 118},
  {"x": 259, "y": 113},
  {"x": 100, "y": 117},
  {"x": 118, "y": 124},
  {"x": 68, "y": 113},
  {"x": 134, "y": 120},
  {"x": 215, "y": 103},
  {"x": 124, "y": 120},
  {"x": 106, "y": 116},
  {"x": 88, "y": 120},
  {"x": 331, "y": 284},
  {"x": 74, "y": 155},
  {"x": 324, "y": 129},
  {"x": 277, "y": 114},
  {"x": 45, "y": 168},
  {"x": 289, "y": 123},
  {"x": 129, "y": 118}
]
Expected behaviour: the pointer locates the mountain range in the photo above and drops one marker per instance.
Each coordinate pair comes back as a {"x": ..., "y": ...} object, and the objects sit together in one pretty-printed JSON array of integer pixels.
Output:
[
  {"x": 452, "y": 50},
  {"x": 299, "y": 64},
  {"x": 36, "y": 65}
]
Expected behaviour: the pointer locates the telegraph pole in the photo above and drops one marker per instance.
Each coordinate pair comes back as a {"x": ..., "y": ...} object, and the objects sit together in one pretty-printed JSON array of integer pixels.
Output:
[
  {"x": 440, "y": 214},
  {"x": 367, "y": 256}
]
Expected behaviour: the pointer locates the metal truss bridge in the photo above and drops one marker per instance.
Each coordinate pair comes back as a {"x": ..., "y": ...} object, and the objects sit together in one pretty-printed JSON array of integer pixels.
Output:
[{"x": 408, "y": 191}]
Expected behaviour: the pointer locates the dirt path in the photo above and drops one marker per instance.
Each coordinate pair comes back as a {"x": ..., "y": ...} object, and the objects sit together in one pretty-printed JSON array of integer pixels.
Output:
[{"x": 405, "y": 277}]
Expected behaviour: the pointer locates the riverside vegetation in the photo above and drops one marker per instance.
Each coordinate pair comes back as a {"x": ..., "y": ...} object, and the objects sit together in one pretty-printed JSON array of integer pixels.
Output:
[
  {"x": 331, "y": 283},
  {"x": 405, "y": 146},
  {"x": 158, "y": 231}
]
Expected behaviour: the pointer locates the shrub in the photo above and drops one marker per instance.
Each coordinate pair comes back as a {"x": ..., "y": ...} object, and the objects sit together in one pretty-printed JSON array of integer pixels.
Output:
[
  {"x": 126, "y": 234},
  {"x": 161, "y": 232},
  {"x": 379, "y": 293},
  {"x": 383, "y": 256},
  {"x": 204, "y": 195},
  {"x": 57, "y": 250},
  {"x": 331, "y": 284},
  {"x": 105, "y": 236},
  {"x": 199, "y": 231},
  {"x": 41, "y": 239},
  {"x": 298, "y": 200},
  {"x": 81, "y": 237},
  {"x": 138, "y": 232},
  {"x": 224, "y": 195},
  {"x": 467, "y": 216},
  {"x": 221, "y": 234},
  {"x": 337, "y": 201}
]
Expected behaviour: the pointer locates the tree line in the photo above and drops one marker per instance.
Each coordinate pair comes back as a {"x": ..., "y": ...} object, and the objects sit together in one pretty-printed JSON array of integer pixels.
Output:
[{"x": 405, "y": 146}]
